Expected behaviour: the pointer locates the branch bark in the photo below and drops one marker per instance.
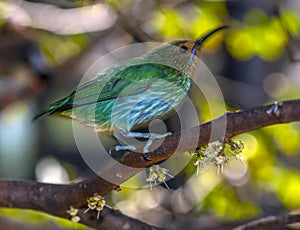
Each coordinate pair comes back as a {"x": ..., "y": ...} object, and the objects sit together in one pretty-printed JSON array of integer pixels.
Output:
[
  {"x": 57, "y": 199},
  {"x": 269, "y": 222}
]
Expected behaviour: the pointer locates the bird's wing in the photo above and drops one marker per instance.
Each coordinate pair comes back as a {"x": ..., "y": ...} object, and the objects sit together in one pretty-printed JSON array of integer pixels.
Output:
[
  {"x": 112, "y": 84},
  {"x": 109, "y": 86}
]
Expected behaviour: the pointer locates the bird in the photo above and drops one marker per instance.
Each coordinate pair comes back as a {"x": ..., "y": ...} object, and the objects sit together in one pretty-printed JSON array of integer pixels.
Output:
[{"x": 128, "y": 95}]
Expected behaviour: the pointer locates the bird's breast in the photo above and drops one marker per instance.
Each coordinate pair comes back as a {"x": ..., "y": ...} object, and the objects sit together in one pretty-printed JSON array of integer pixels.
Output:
[{"x": 139, "y": 110}]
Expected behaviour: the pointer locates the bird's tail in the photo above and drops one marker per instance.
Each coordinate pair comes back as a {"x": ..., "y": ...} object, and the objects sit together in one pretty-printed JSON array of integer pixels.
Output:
[
  {"x": 54, "y": 108},
  {"x": 42, "y": 114}
]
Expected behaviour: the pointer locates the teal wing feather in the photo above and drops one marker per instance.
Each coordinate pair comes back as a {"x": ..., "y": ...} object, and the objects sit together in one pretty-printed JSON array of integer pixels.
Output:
[
  {"x": 104, "y": 89},
  {"x": 106, "y": 86}
]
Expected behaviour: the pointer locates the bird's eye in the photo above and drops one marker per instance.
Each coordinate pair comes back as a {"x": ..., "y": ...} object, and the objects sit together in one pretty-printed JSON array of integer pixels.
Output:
[{"x": 183, "y": 49}]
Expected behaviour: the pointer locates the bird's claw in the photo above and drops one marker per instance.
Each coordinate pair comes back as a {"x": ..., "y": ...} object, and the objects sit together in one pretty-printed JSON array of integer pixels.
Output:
[
  {"x": 150, "y": 136},
  {"x": 121, "y": 148},
  {"x": 146, "y": 157}
]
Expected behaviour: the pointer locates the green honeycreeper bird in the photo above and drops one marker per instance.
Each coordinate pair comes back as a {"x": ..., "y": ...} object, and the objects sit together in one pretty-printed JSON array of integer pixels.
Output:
[{"x": 130, "y": 94}]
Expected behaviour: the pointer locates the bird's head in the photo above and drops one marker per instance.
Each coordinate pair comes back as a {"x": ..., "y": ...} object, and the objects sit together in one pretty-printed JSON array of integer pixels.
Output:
[{"x": 181, "y": 54}]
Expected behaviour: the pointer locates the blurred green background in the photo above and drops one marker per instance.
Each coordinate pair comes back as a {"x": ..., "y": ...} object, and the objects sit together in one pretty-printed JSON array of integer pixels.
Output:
[{"x": 47, "y": 46}]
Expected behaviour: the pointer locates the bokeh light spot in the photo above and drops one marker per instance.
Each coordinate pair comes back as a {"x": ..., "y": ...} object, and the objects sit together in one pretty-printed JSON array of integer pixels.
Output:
[
  {"x": 275, "y": 85},
  {"x": 240, "y": 44}
]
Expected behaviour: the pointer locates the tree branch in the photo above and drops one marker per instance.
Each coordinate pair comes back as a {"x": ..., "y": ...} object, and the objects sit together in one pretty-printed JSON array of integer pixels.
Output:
[
  {"x": 269, "y": 222},
  {"x": 112, "y": 219},
  {"x": 57, "y": 199}
]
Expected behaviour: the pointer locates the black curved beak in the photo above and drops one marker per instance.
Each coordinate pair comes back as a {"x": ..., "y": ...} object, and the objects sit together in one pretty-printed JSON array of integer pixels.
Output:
[{"x": 199, "y": 41}]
